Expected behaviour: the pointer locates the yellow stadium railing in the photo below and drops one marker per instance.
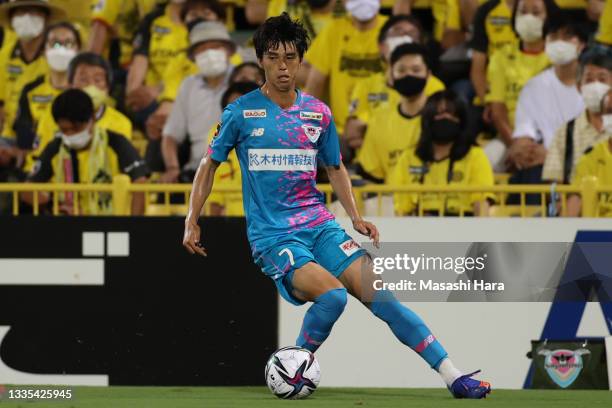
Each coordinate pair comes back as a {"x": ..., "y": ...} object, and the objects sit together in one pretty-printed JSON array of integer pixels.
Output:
[{"x": 160, "y": 197}]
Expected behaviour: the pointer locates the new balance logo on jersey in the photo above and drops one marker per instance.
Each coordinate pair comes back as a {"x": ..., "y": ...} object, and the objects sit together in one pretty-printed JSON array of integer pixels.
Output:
[
  {"x": 254, "y": 113},
  {"x": 311, "y": 115},
  {"x": 313, "y": 132},
  {"x": 349, "y": 247},
  {"x": 257, "y": 132}
]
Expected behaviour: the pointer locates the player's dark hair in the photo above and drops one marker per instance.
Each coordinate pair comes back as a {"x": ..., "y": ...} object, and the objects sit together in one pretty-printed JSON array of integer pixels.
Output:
[
  {"x": 393, "y": 20},
  {"x": 553, "y": 13},
  {"x": 73, "y": 105},
  {"x": 212, "y": 5},
  {"x": 280, "y": 30},
  {"x": 241, "y": 88},
  {"x": 453, "y": 105},
  {"x": 89, "y": 58},
  {"x": 249, "y": 64},
  {"x": 68, "y": 26},
  {"x": 410, "y": 49},
  {"x": 566, "y": 24}
]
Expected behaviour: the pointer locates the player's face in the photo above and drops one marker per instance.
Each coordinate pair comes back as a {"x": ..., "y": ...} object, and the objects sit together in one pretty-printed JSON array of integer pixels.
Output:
[{"x": 281, "y": 66}]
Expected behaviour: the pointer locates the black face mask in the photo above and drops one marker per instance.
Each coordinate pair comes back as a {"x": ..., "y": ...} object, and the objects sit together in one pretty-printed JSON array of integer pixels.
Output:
[
  {"x": 317, "y": 4},
  {"x": 409, "y": 85},
  {"x": 445, "y": 131}
]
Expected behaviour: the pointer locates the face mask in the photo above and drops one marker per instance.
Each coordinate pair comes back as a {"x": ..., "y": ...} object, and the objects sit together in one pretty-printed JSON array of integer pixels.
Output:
[
  {"x": 28, "y": 26},
  {"x": 363, "y": 10},
  {"x": 561, "y": 52},
  {"x": 409, "y": 85},
  {"x": 212, "y": 62},
  {"x": 445, "y": 131},
  {"x": 394, "y": 42},
  {"x": 317, "y": 4},
  {"x": 77, "y": 141},
  {"x": 593, "y": 94},
  {"x": 98, "y": 96},
  {"x": 529, "y": 27},
  {"x": 59, "y": 58},
  {"x": 607, "y": 123}
]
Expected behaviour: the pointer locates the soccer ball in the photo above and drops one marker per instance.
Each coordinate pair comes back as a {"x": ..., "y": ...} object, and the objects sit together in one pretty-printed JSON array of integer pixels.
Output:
[{"x": 292, "y": 373}]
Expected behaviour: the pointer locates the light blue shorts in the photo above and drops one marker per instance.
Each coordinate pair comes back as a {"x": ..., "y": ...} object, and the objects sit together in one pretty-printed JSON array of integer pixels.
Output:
[{"x": 327, "y": 245}]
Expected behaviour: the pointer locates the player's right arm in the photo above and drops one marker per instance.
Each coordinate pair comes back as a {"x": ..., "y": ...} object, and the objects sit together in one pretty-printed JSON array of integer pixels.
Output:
[
  {"x": 224, "y": 141},
  {"x": 202, "y": 186}
]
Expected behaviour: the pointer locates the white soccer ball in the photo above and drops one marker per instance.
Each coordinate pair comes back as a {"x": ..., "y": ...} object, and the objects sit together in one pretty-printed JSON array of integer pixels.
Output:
[{"x": 292, "y": 373}]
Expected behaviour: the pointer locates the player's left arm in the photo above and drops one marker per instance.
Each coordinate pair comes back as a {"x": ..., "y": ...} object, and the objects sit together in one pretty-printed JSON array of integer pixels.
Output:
[{"x": 341, "y": 184}]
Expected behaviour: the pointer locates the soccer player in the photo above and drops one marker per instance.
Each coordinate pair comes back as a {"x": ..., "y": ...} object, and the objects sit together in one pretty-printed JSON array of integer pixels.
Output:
[{"x": 279, "y": 134}]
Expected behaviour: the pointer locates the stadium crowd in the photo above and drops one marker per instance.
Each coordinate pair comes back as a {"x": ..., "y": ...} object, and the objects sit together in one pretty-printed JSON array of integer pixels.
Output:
[{"x": 423, "y": 92}]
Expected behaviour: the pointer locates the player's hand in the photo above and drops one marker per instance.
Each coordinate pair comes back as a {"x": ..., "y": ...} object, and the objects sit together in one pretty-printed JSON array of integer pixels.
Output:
[
  {"x": 368, "y": 229},
  {"x": 191, "y": 239}
]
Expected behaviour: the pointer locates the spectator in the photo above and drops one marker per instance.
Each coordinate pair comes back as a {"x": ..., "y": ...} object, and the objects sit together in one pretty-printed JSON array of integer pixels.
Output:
[
  {"x": 512, "y": 66},
  {"x": 573, "y": 138},
  {"x": 344, "y": 53},
  {"x": 94, "y": 154},
  {"x": 604, "y": 35},
  {"x": 547, "y": 101},
  {"x": 23, "y": 61},
  {"x": 493, "y": 29},
  {"x": 377, "y": 90},
  {"x": 180, "y": 67},
  {"x": 92, "y": 74},
  {"x": 62, "y": 43},
  {"x": 160, "y": 37},
  {"x": 228, "y": 172},
  {"x": 444, "y": 156},
  {"x": 117, "y": 19},
  {"x": 248, "y": 72},
  {"x": 395, "y": 128},
  {"x": 596, "y": 162},
  {"x": 313, "y": 14},
  {"x": 197, "y": 107},
  {"x": 594, "y": 10},
  {"x": 447, "y": 20}
]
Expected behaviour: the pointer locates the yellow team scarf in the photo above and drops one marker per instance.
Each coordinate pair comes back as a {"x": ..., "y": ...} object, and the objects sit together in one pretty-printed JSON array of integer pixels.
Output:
[{"x": 99, "y": 171}]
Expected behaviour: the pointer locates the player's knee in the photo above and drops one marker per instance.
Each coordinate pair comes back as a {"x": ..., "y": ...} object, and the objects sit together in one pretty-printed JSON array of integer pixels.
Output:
[
  {"x": 333, "y": 301},
  {"x": 384, "y": 304}
]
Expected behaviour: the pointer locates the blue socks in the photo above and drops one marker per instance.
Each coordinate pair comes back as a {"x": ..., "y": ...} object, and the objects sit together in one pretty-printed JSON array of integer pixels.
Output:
[
  {"x": 408, "y": 328},
  {"x": 320, "y": 318}
]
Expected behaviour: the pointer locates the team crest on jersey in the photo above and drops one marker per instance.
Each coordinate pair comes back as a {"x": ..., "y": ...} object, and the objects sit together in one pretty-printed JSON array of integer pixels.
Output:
[
  {"x": 313, "y": 132},
  {"x": 254, "y": 113},
  {"x": 311, "y": 115}
]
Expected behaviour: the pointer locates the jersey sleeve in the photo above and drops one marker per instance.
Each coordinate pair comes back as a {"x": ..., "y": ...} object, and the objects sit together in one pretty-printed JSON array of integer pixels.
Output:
[
  {"x": 129, "y": 159},
  {"x": 226, "y": 136},
  {"x": 496, "y": 79},
  {"x": 24, "y": 123},
  {"x": 403, "y": 203},
  {"x": 329, "y": 145},
  {"x": 368, "y": 157},
  {"x": 359, "y": 99},
  {"x": 142, "y": 37},
  {"x": 105, "y": 11}
]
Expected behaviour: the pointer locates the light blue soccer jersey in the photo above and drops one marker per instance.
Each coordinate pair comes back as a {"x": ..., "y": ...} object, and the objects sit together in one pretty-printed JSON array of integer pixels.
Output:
[{"x": 278, "y": 151}]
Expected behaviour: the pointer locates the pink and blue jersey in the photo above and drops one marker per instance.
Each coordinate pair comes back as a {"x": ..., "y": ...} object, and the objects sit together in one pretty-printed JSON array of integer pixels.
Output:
[{"x": 278, "y": 150}]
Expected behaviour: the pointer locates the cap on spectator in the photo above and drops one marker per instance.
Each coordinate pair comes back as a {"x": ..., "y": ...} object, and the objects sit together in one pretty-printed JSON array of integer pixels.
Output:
[
  {"x": 209, "y": 31},
  {"x": 55, "y": 13}
]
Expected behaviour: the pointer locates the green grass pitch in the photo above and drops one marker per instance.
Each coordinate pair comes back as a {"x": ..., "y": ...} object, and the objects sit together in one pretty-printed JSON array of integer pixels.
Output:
[{"x": 260, "y": 397}]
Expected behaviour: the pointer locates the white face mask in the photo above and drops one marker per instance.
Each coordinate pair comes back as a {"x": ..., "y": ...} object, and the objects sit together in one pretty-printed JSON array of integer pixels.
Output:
[
  {"x": 363, "y": 10},
  {"x": 28, "y": 26},
  {"x": 607, "y": 123},
  {"x": 593, "y": 93},
  {"x": 561, "y": 52},
  {"x": 212, "y": 62},
  {"x": 77, "y": 141},
  {"x": 394, "y": 42},
  {"x": 59, "y": 58},
  {"x": 529, "y": 27}
]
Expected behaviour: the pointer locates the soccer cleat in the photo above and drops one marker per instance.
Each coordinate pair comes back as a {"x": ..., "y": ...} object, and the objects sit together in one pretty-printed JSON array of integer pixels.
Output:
[{"x": 466, "y": 387}]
